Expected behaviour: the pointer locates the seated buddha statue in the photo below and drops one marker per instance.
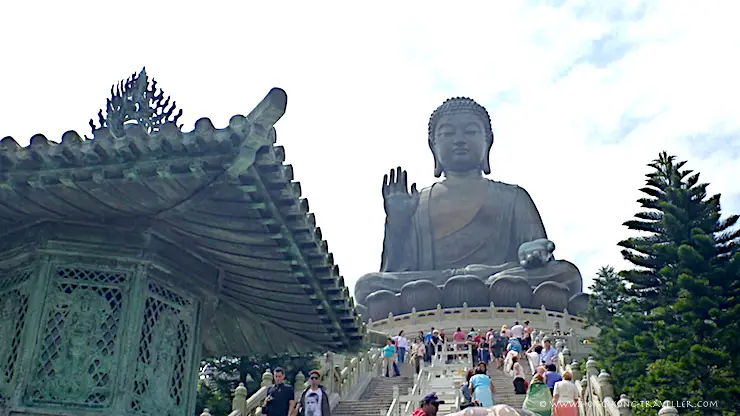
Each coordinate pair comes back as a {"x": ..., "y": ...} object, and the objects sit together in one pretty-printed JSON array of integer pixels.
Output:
[{"x": 465, "y": 226}]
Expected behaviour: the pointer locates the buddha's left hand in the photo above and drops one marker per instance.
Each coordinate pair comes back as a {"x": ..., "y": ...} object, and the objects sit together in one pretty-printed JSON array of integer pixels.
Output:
[{"x": 536, "y": 253}]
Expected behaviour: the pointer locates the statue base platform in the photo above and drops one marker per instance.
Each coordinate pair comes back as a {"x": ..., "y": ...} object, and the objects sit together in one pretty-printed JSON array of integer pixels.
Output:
[{"x": 507, "y": 291}]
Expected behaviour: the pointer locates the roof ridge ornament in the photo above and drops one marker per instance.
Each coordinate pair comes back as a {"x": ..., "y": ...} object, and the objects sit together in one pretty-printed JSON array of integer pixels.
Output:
[{"x": 136, "y": 101}]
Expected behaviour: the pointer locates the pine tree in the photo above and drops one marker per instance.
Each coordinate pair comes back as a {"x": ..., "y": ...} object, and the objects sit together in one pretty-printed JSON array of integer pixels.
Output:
[
  {"x": 691, "y": 333},
  {"x": 674, "y": 337},
  {"x": 607, "y": 294},
  {"x": 676, "y": 204}
]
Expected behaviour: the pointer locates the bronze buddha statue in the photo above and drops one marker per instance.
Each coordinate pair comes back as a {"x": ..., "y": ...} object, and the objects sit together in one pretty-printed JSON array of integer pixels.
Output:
[{"x": 463, "y": 228}]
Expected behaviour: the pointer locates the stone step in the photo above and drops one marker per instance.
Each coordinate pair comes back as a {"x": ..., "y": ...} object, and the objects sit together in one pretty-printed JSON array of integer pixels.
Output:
[
  {"x": 378, "y": 395},
  {"x": 505, "y": 389}
]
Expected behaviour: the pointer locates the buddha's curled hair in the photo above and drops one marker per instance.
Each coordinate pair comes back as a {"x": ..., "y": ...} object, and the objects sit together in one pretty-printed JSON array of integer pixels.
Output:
[{"x": 458, "y": 105}]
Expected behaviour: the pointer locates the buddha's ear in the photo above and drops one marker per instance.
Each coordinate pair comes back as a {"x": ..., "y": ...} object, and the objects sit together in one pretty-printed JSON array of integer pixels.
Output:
[
  {"x": 486, "y": 162},
  {"x": 438, "y": 168}
]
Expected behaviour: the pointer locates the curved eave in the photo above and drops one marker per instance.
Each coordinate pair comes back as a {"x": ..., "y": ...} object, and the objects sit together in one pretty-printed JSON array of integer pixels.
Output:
[
  {"x": 259, "y": 231},
  {"x": 224, "y": 193}
]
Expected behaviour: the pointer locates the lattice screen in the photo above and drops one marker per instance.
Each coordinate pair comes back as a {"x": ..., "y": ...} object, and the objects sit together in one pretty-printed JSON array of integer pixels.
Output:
[
  {"x": 14, "y": 293},
  {"x": 162, "y": 383},
  {"x": 78, "y": 352}
]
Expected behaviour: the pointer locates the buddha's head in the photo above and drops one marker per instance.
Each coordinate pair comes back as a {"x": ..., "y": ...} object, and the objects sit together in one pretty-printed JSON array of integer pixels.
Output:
[{"x": 460, "y": 137}]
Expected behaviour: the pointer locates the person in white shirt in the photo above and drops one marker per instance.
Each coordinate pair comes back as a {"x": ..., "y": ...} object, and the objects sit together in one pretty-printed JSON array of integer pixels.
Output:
[
  {"x": 513, "y": 369},
  {"x": 565, "y": 397},
  {"x": 517, "y": 331},
  {"x": 533, "y": 356},
  {"x": 314, "y": 400},
  {"x": 402, "y": 345}
]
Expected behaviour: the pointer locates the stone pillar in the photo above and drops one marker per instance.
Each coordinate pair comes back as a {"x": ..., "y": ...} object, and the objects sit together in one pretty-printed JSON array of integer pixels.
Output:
[
  {"x": 591, "y": 367},
  {"x": 605, "y": 384},
  {"x": 88, "y": 324},
  {"x": 240, "y": 397},
  {"x": 667, "y": 410},
  {"x": 624, "y": 406},
  {"x": 267, "y": 378},
  {"x": 299, "y": 385}
]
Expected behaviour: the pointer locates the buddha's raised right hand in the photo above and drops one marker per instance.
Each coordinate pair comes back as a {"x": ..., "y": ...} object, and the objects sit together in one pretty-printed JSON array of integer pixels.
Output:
[{"x": 399, "y": 201}]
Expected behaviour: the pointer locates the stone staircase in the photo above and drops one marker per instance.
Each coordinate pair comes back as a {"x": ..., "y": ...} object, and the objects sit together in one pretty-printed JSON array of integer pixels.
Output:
[
  {"x": 505, "y": 389},
  {"x": 378, "y": 395}
]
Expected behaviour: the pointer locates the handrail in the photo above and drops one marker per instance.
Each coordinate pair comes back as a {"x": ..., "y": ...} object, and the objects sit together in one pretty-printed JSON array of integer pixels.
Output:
[
  {"x": 594, "y": 388},
  {"x": 416, "y": 389},
  {"x": 341, "y": 383}
]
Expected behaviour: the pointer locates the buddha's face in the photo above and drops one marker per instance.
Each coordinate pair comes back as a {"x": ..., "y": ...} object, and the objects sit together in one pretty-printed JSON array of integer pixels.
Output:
[{"x": 460, "y": 142}]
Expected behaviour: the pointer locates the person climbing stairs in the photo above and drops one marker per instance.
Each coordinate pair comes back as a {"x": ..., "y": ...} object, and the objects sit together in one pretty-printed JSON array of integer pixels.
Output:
[{"x": 505, "y": 389}]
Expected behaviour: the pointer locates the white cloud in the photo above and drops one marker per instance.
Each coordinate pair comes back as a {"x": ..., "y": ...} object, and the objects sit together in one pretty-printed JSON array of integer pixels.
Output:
[{"x": 362, "y": 82}]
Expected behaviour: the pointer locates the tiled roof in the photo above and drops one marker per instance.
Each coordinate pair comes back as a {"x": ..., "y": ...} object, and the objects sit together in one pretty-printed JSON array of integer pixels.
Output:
[{"x": 224, "y": 193}]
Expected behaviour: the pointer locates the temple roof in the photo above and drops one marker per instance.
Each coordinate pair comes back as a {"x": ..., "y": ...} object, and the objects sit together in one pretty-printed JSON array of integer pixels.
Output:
[{"x": 226, "y": 194}]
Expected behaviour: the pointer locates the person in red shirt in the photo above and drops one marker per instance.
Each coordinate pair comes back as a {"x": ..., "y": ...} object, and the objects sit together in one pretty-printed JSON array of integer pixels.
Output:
[{"x": 429, "y": 405}]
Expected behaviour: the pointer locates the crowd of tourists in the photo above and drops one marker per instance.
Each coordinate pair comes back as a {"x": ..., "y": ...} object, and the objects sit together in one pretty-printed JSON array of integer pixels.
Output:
[
  {"x": 532, "y": 368},
  {"x": 509, "y": 349}
]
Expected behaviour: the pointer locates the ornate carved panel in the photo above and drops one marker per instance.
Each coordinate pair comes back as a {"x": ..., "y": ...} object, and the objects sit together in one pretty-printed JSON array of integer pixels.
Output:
[
  {"x": 14, "y": 297},
  {"x": 162, "y": 382},
  {"x": 78, "y": 351}
]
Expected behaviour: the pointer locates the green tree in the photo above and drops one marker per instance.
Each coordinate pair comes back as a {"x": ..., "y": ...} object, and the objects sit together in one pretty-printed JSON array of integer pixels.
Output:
[
  {"x": 674, "y": 336},
  {"x": 676, "y": 204},
  {"x": 691, "y": 333},
  {"x": 607, "y": 295},
  {"x": 220, "y": 376}
]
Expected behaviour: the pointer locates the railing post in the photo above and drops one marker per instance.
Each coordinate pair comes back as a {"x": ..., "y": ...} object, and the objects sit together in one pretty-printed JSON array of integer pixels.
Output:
[
  {"x": 414, "y": 317},
  {"x": 266, "y": 379},
  {"x": 465, "y": 311},
  {"x": 576, "y": 370},
  {"x": 330, "y": 370},
  {"x": 566, "y": 317},
  {"x": 605, "y": 382},
  {"x": 493, "y": 310},
  {"x": 518, "y": 311},
  {"x": 299, "y": 385},
  {"x": 396, "y": 396},
  {"x": 240, "y": 398},
  {"x": 567, "y": 356},
  {"x": 666, "y": 410},
  {"x": 591, "y": 369},
  {"x": 543, "y": 311},
  {"x": 624, "y": 406}
]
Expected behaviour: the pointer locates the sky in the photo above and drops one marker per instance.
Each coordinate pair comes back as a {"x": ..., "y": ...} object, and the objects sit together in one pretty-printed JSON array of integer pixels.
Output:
[{"x": 582, "y": 94}]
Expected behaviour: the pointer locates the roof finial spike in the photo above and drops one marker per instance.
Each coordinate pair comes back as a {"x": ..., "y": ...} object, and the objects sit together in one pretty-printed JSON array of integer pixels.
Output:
[{"x": 136, "y": 100}]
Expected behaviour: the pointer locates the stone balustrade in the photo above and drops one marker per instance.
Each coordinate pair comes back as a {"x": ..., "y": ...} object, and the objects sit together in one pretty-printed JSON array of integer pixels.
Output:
[
  {"x": 489, "y": 315},
  {"x": 571, "y": 330},
  {"x": 344, "y": 377},
  {"x": 595, "y": 388},
  {"x": 597, "y": 392}
]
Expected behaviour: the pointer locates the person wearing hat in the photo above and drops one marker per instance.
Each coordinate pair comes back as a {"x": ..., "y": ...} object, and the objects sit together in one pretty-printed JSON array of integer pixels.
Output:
[
  {"x": 429, "y": 405},
  {"x": 314, "y": 400}
]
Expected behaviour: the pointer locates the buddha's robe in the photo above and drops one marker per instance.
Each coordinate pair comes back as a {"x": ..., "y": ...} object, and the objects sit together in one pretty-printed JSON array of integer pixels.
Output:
[{"x": 479, "y": 224}]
